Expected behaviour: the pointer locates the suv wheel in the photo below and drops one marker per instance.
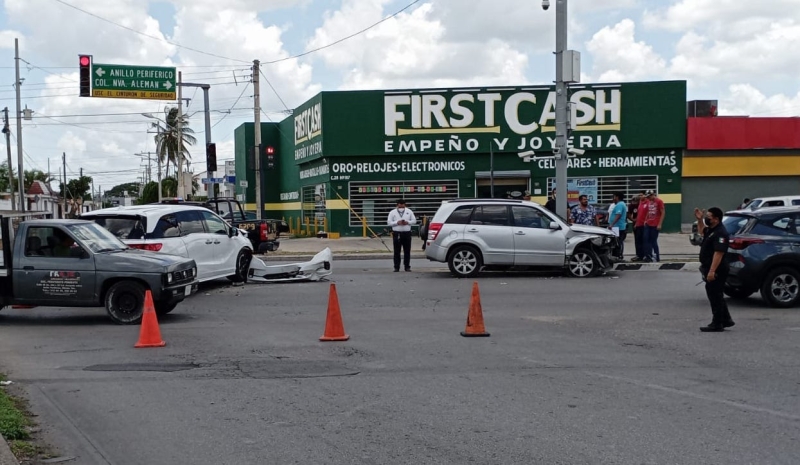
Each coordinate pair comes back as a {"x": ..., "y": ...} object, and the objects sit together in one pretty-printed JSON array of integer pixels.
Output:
[
  {"x": 465, "y": 261},
  {"x": 125, "y": 302},
  {"x": 781, "y": 288},
  {"x": 242, "y": 266},
  {"x": 583, "y": 264}
]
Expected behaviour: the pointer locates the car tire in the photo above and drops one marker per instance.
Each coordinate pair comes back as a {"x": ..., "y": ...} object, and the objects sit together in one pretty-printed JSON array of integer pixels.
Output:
[
  {"x": 125, "y": 302},
  {"x": 781, "y": 287},
  {"x": 737, "y": 292},
  {"x": 465, "y": 261},
  {"x": 162, "y": 308},
  {"x": 242, "y": 266},
  {"x": 583, "y": 263}
]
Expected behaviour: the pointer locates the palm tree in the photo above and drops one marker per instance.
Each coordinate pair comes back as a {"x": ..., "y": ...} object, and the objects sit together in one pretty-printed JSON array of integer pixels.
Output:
[{"x": 168, "y": 146}]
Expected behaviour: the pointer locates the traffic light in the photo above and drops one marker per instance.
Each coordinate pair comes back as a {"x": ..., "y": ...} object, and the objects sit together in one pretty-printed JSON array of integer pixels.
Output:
[
  {"x": 270, "y": 152},
  {"x": 211, "y": 157},
  {"x": 85, "y": 62}
]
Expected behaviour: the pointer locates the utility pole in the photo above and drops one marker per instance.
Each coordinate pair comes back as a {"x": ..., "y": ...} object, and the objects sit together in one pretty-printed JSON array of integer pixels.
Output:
[
  {"x": 257, "y": 134},
  {"x": 205, "y": 88},
  {"x": 7, "y": 132},
  {"x": 20, "y": 170},
  {"x": 567, "y": 71},
  {"x": 208, "y": 130},
  {"x": 64, "y": 194},
  {"x": 94, "y": 199},
  {"x": 181, "y": 191}
]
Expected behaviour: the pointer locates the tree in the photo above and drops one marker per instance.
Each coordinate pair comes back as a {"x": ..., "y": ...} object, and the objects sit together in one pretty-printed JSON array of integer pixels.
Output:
[
  {"x": 169, "y": 147},
  {"x": 28, "y": 178},
  {"x": 132, "y": 188},
  {"x": 149, "y": 193},
  {"x": 78, "y": 188}
]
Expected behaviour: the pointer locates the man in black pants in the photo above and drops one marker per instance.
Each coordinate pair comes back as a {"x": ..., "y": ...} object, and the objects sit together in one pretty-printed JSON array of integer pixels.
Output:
[
  {"x": 714, "y": 267},
  {"x": 401, "y": 219}
]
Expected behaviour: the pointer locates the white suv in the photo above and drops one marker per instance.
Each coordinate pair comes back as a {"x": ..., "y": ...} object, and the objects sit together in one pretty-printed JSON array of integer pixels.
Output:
[
  {"x": 469, "y": 234},
  {"x": 220, "y": 250}
]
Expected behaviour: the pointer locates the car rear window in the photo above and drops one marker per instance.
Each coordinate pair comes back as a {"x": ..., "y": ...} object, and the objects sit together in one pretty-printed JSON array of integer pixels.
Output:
[
  {"x": 123, "y": 227},
  {"x": 460, "y": 215},
  {"x": 734, "y": 224}
]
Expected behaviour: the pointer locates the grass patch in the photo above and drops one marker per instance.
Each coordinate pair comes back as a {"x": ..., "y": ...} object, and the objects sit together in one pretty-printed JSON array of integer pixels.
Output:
[
  {"x": 23, "y": 450},
  {"x": 13, "y": 422}
]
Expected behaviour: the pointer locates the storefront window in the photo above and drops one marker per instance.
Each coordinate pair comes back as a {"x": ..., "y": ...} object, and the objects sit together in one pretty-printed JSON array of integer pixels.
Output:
[
  {"x": 374, "y": 200},
  {"x": 600, "y": 190},
  {"x": 314, "y": 205}
]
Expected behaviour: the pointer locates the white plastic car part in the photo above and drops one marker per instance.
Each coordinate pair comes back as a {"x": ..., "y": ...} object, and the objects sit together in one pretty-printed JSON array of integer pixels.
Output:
[{"x": 316, "y": 269}]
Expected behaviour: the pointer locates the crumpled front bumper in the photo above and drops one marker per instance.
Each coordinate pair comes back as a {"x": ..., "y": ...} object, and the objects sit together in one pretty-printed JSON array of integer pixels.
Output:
[{"x": 316, "y": 269}]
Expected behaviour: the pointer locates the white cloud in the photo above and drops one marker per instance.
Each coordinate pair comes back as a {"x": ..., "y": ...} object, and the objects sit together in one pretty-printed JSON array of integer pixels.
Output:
[
  {"x": 744, "y": 99},
  {"x": 413, "y": 49},
  {"x": 619, "y": 57}
]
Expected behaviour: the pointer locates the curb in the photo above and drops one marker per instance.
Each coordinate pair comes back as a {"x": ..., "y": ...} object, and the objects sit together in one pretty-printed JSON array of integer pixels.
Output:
[
  {"x": 671, "y": 266},
  {"x": 681, "y": 264},
  {"x": 6, "y": 457}
]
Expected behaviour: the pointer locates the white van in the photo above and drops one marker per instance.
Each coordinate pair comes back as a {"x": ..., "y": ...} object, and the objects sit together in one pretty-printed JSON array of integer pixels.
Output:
[{"x": 772, "y": 202}]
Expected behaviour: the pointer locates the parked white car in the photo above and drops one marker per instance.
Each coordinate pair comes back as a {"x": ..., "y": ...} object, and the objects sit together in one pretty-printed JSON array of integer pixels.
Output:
[
  {"x": 220, "y": 250},
  {"x": 772, "y": 202}
]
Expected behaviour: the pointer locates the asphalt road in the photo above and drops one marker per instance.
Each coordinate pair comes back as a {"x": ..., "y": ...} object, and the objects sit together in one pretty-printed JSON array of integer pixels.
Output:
[{"x": 611, "y": 370}]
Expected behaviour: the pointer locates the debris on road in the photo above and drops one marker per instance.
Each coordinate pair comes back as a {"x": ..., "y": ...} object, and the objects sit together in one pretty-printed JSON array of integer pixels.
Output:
[{"x": 316, "y": 269}]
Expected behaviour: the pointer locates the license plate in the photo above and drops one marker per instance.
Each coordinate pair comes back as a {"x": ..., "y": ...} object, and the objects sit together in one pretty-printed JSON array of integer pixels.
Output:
[{"x": 187, "y": 291}]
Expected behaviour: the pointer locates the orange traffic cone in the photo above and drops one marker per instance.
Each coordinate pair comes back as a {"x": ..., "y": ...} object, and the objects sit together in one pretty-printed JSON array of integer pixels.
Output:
[
  {"x": 475, "y": 326},
  {"x": 334, "y": 328},
  {"x": 149, "y": 334}
]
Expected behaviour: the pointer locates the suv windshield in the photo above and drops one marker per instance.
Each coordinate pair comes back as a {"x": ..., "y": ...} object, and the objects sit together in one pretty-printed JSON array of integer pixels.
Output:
[{"x": 96, "y": 238}]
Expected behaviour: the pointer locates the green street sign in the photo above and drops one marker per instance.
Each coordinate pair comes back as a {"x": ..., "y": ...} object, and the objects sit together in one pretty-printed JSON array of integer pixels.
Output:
[{"x": 133, "y": 82}]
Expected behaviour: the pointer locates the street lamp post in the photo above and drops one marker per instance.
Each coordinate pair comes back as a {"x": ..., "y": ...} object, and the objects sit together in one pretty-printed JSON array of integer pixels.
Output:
[{"x": 567, "y": 71}]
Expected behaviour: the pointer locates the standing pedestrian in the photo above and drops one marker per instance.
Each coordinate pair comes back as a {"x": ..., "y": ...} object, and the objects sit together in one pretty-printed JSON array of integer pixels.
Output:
[
  {"x": 583, "y": 213},
  {"x": 401, "y": 219},
  {"x": 551, "y": 202},
  {"x": 636, "y": 215},
  {"x": 744, "y": 203},
  {"x": 654, "y": 218},
  {"x": 714, "y": 266},
  {"x": 617, "y": 223}
]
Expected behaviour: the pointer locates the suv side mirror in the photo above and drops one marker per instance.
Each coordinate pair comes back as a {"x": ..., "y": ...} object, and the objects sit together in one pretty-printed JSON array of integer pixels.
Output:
[
  {"x": 232, "y": 232},
  {"x": 554, "y": 226}
]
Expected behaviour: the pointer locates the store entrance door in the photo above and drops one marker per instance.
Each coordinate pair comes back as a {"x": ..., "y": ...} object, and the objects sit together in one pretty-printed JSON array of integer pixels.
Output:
[{"x": 503, "y": 188}]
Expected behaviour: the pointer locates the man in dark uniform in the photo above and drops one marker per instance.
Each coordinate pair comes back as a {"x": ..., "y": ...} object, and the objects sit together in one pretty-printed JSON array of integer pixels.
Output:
[{"x": 713, "y": 266}]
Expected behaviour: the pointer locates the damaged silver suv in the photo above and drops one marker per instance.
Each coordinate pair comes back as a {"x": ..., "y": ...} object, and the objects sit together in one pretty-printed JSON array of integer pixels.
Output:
[{"x": 474, "y": 234}]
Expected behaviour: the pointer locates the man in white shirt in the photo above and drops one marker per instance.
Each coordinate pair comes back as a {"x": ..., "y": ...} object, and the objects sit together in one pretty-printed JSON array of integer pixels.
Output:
[{"x": 401, "y": 219}]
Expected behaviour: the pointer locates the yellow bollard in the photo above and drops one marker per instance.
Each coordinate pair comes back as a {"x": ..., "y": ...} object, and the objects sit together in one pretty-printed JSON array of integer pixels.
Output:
[
  {"x": 307, "y": 232},
  {"x": 363, "y": 227},
  {"x": 316, "y": 230},
  {"x": 325, "y": 224}
]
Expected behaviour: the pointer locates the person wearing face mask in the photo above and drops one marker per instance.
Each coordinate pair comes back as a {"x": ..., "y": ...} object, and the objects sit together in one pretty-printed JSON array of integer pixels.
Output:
[
  {"x": 401, "y": 219},
  {"x": 713, "y": 266}
]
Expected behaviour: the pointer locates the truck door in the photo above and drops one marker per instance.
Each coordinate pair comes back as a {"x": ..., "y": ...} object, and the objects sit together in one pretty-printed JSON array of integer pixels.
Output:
[{"x": 53, "y": 269}]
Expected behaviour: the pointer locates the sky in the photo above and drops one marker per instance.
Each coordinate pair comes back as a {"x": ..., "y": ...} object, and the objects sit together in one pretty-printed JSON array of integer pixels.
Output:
[{"x": 743, "y": 54}]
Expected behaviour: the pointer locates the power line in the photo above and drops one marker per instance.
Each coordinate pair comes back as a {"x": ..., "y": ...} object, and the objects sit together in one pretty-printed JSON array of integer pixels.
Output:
[
  {"x": 234, "y": 104},
  {"x": 340, "y": 40},
  {"x": 42, "y": 69},
  {"x": 273, "y": 88},
  {"x": 148, "y": 35}
]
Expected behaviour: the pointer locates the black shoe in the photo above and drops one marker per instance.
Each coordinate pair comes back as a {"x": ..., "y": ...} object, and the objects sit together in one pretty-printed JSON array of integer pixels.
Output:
[
  {"x": 396, "y": 270},
  {"x": 728, "y": 324},
  {"x": 636, "y": 259},
  {"x": 408, "y": 268},
  {"x": 712, "y": 328}
]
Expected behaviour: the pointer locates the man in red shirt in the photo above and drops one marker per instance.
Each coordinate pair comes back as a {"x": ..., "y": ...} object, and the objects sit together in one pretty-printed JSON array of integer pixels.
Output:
[
  {"x": 638, "y": 204},
  {"x": 653, "y": 219}
]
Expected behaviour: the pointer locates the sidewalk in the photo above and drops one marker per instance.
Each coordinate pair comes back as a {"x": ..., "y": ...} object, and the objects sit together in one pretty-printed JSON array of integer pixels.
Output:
[{"x": 674, "y": 247}]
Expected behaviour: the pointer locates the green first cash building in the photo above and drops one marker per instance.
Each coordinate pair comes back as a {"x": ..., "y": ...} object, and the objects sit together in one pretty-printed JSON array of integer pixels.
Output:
[{"x": 343, "y": 156}]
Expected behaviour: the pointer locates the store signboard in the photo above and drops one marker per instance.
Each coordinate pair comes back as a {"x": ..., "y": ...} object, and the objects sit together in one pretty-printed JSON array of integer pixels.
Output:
[{"x": 645, "y": 115}]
